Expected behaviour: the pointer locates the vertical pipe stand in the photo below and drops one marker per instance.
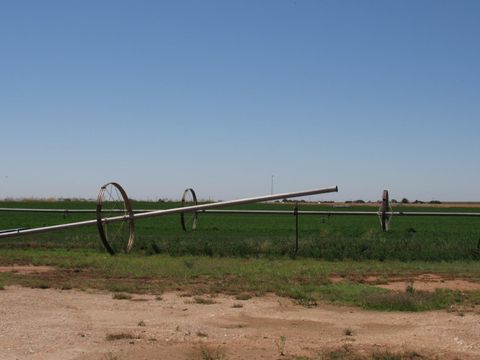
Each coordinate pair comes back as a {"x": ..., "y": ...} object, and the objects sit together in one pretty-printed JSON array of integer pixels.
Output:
[{"x": 295, "y": 213}]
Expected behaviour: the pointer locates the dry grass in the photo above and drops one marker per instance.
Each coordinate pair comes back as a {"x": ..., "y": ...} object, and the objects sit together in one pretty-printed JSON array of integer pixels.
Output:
[{"x": 206, "y": 352}]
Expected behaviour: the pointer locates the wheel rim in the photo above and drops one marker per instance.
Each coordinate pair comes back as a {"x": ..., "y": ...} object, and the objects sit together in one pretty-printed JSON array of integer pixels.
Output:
[
  {"x": 115, "y": 236},
  {"x": 189, "y": 219}
]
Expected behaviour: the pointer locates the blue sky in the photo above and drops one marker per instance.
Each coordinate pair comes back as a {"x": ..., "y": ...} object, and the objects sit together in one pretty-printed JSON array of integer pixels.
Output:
[{"x": 221, "y": 95}]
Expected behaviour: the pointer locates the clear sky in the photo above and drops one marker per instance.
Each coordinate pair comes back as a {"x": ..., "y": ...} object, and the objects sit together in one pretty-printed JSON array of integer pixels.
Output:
[{"x": 221, "y": 95}]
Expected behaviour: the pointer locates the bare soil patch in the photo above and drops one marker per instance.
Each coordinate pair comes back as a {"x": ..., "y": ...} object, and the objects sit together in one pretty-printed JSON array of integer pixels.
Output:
[
  {"x": 431, "y": 282},
  {"x": 424, "y": 282},
  {"x": 87, "y": 325},
  {"x": 27, "y": 269}
]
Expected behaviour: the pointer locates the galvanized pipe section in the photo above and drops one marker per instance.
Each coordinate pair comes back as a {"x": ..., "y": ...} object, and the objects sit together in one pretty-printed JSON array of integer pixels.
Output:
[{"x": 170, "y": 211}]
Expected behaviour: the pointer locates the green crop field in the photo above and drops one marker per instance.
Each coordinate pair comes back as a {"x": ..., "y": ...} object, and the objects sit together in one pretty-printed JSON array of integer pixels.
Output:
[{"x": 320, "y": 237}]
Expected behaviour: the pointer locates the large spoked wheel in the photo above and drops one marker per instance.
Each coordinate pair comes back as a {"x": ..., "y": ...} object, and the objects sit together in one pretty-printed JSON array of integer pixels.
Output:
[
  {"x": 189, "y": 219},
  {"x": 385, "y": 211},
  {"x": 118, "y": 235}
]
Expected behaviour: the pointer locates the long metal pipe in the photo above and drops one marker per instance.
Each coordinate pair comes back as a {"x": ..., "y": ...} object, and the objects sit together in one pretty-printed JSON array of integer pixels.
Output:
[
  {"x": 170, "y": 211},
  {"x": 335, "y": 213},
  {"x": 63, "y": 211},
  {"x": 431, "y": 213},
  {"x": 260, "y": 212}
]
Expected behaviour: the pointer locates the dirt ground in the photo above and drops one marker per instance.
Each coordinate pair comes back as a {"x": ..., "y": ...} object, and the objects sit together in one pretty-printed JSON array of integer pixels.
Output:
[{"x": 71, "y": 324}]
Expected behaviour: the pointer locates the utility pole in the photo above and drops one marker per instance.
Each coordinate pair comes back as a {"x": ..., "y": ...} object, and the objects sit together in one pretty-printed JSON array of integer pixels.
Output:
[{"x": 271, "y": 187}]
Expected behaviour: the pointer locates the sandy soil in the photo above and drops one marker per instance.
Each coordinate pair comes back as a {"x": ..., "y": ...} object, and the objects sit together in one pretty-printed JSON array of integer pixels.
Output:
[
  {"x": 71, "y": 324},
  {"x": 26, "y": 269}
]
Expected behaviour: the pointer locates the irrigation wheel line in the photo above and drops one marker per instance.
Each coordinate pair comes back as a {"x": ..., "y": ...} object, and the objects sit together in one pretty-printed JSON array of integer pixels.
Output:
[
  {"x": 113, "y": 199},
  {"x": 115, "y": 236},
  {"x": 189, "y": 220}
]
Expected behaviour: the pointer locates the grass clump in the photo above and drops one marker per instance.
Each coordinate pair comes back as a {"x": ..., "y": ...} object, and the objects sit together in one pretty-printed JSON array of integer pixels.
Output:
[
  {"x": 120, "y": 336},
  {"x": 346, "y": 352},
  {"x": 243, "y": 297},
  {"x": 122, "y": 296},
  {"x": 41, "y": 285},
  {"x": 203, "y": 301}
]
